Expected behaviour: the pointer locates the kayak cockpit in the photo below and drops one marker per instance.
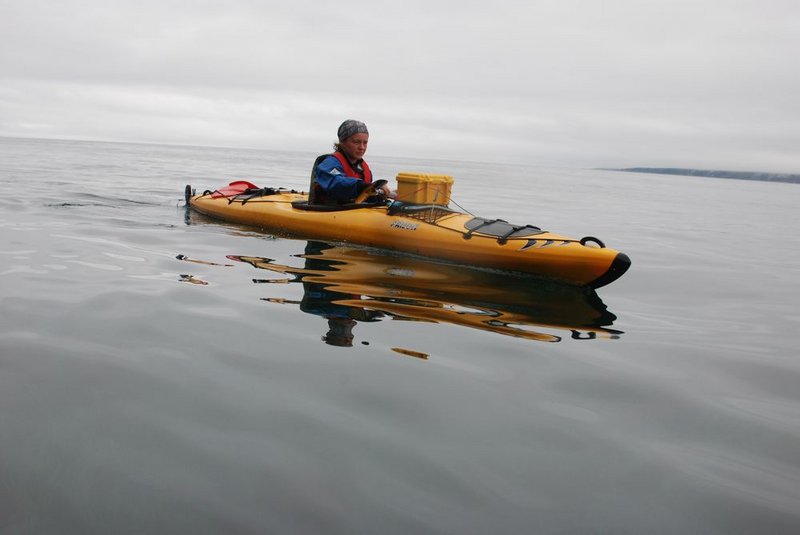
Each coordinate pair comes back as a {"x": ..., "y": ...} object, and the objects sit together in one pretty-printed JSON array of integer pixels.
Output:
[{"x": 313, "y": 207}]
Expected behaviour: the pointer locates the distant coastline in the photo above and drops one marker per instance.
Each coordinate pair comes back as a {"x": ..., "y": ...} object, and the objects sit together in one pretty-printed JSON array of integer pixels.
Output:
[{"x": 739, "y": 175}]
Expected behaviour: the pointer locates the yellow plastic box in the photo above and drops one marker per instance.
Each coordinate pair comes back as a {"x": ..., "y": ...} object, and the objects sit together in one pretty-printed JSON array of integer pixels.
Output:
[{"x": 424, "y": 188}]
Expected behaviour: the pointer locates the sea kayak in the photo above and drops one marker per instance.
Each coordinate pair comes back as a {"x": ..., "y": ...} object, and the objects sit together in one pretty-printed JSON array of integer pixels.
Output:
[{"x": 429, "y": 230}]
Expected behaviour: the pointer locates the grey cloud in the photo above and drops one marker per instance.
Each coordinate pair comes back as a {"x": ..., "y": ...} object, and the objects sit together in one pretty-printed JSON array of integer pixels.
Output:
[{"x": 710, "y": 83}]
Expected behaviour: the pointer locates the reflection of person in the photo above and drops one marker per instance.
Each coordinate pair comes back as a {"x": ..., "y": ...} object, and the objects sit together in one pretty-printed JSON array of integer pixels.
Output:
[
  {"x": 340, "y": 332},
  {"x": 319, "y": 300},
  {"x": 318, "y": 297},
  {"x": 339, "y": 177}
]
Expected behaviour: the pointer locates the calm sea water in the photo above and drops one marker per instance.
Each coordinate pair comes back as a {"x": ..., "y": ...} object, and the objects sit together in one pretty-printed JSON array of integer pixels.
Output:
[{"x": 164, "y": 373}]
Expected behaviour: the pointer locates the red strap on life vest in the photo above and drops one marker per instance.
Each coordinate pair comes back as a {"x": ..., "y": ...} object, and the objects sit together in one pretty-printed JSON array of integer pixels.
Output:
[{"x": 349, "y": 171}]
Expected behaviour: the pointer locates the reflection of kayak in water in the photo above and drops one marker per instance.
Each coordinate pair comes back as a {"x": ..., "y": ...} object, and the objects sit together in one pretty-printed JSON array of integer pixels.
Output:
[
  {"x": 348, "y": 284},
  {"x": 431, "y": 230}
]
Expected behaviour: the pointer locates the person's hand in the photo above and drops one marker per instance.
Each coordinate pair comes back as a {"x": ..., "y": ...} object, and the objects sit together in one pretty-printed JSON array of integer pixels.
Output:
[{"x": 374, "y": 188}]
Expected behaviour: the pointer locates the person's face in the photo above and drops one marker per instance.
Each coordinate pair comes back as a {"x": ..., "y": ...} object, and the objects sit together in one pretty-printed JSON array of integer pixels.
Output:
[{"x": 355, "y": 146}]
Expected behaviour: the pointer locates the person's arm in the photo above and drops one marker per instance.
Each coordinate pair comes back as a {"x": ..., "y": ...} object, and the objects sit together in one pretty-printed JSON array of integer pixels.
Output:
[{"x": 331, "y": 178}]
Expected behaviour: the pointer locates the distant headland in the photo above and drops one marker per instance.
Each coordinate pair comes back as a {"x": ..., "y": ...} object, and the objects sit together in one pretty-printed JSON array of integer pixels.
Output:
[{"x": 740, "y": 175}]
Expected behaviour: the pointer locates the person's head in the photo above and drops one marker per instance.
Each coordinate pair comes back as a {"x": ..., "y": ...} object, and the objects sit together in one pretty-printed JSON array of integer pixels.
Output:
[
  {"x": 340, "y": 332},
  {"x": 353, "y": 139}
]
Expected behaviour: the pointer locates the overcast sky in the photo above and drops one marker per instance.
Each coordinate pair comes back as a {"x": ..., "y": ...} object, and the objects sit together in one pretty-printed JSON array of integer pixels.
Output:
[{"x": 590, "y": 83}]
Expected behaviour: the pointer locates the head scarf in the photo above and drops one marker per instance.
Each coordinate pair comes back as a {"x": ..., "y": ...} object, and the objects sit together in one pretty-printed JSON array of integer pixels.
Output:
[{"x": 351, "y": 127}]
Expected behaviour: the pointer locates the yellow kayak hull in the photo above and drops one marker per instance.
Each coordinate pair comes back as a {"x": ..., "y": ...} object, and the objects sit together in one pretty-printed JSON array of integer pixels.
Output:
[{"x": 445, "y": 236}]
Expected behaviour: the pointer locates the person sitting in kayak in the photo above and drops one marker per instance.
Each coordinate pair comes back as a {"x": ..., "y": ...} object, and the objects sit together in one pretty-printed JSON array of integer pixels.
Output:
[{"x": 340, "y": 177}]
